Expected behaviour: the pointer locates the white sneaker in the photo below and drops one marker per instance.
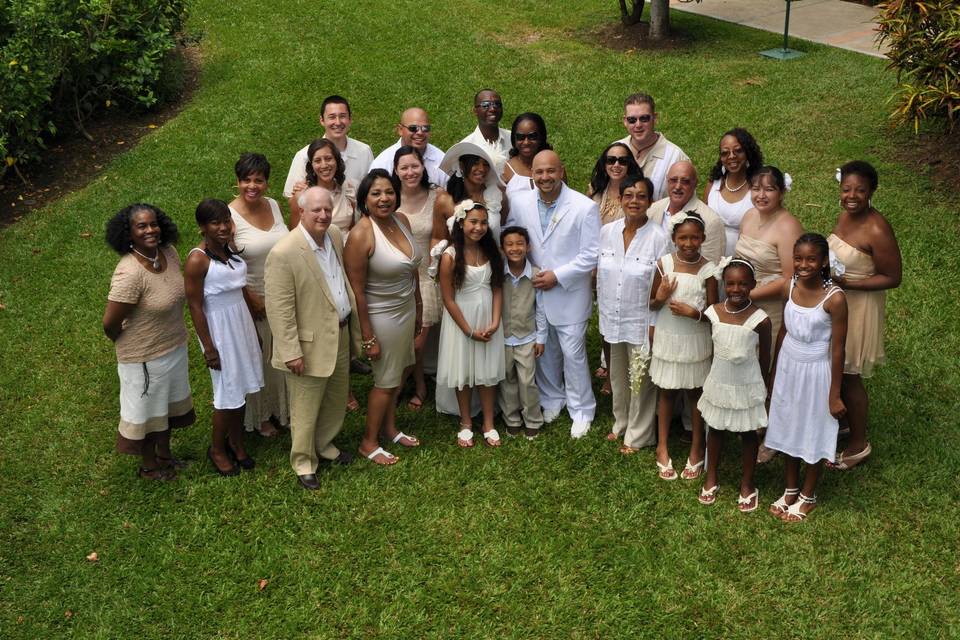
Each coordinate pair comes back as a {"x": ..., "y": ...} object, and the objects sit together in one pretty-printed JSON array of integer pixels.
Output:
[
  {"x": 549, "y": 415},
  {"x": 579, "y": 429}
]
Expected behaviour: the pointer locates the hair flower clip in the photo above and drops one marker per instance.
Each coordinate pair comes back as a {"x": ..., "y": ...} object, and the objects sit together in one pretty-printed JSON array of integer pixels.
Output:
[
  {"x": 839, "y": 175},
  {"x": 837, "y": 268},
  {"x": 787, "y": 182}
]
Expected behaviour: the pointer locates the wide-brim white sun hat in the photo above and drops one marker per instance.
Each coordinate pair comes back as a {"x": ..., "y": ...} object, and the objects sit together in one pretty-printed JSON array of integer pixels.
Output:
[{"x": 451, "y": 160}]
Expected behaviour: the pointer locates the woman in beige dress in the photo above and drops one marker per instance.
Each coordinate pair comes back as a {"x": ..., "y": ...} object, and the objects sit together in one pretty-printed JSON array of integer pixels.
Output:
[
  {"x": 767, "y": 235},
  {"x": 864, "y": 242},
  {"x": 418, "y": 197},
  {"x": 325, "y": 168},
  {"x": 382, "y": 263},
  {"x": 258, "y": 225}
]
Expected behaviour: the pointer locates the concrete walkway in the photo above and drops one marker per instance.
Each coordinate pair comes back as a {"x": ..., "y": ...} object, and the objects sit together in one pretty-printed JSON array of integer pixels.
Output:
[{"x": 840, "y": 24}]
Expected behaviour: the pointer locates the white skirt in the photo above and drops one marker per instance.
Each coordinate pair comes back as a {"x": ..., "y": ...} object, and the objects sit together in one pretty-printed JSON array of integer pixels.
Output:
[{"x": 152, "y": 392}]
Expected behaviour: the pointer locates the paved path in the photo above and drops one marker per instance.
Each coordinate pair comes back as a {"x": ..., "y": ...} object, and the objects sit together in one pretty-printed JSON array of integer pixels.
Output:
[{"x": 833, "y": 22}]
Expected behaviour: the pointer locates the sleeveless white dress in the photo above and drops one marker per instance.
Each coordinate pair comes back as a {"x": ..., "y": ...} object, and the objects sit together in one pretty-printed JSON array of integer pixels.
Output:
[
  {"x": 734, "y": 393},
  {"x": 800, "y": 424},
  {"x": 730, "y": 212},
  {"x": 233, "y": 334},
  {"x": 682, "y": 346},
  {"x": 464, "y": 362}
]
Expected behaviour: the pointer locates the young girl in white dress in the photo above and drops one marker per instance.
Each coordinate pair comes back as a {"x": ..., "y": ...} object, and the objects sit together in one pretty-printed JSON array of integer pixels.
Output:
[
  {"x": 681, "y": 345},
  {"x": 215, "y": 279},
  {"x": 805, "y": 400},
  {"x": 471, "y": 339},
  {"x": 735, "y": 391}
]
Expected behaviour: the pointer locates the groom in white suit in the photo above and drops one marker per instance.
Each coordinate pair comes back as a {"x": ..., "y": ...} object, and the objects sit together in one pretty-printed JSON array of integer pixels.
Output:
[{"x": 564, "y": 228}]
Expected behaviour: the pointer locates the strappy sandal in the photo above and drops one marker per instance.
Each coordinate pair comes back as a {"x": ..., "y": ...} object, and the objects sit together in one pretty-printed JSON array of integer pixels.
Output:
[
  {"x": 465, "y": 436},
  {"x": 491, "y": 438},
  {"x": 780, "y": 507},
  {"x": 793, "y": 512},
  {"x": 666, "y": 471},
  {"x": 845, "y": 463},
  {"x": 744, "y": 502},
  {"x": 692, "y": 471},
  {"x": 708, "y": 496},
  {"x": 401, "y": 435}
]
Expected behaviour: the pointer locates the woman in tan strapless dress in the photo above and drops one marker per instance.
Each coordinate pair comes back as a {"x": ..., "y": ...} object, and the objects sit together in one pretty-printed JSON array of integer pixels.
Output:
[{"x": 864, "y": 242}]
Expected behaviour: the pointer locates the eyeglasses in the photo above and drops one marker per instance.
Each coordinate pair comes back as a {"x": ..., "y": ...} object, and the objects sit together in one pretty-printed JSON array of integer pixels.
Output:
[
  {"x": 623, "y": 161},
  {"x": 533, "y": 135},
  {"x": 490, "y": 104},
  {"x": 414, "y": 128},
  {"x": 633, "y": 119}
]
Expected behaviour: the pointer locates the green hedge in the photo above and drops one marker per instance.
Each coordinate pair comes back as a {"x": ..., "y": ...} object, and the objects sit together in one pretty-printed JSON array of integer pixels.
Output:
[
  {"x": 62, "y": 60},
  {"x": 924, "y": 49}
]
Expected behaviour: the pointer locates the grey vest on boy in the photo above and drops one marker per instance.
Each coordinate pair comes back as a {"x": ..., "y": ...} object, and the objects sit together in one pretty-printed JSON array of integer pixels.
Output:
[{"x": 519, "y": 318}]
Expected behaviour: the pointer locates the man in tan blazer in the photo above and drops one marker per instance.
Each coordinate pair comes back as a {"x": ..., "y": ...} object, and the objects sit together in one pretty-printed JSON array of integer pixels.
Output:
[
  {"x": 682, "y": 196},
  {"x": 310, "y": 307}
]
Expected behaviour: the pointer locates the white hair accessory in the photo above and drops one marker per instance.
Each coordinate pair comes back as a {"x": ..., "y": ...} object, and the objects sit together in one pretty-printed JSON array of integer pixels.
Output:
[
  {"x": 727, "y": 260},
  {"x": 682, "y": 216},
  {"x": 837, "y": 268},
  {"x": 434, "y": 268},
  {"x": 839, "y": 174},
  {"x": 787, "y": 182},
  {"x": 460, "y": 211}
]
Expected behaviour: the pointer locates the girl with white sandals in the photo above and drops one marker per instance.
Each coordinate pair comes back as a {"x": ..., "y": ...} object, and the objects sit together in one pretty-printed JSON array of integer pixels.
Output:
[
  {"x": 681, "y": 345},
  {"x": 735, "y": 391},
  {"x": 471, "y": 339},
  {"x": 805, "y": 399}
]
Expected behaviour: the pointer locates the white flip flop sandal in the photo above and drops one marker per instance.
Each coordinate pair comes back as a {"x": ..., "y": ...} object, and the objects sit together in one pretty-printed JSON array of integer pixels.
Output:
[
  {"x": 400, "y": 435},
  {"x": 465, "y": 435},
  {"x": 491, "y": 437},
  {"x": 380, "y": 451}
]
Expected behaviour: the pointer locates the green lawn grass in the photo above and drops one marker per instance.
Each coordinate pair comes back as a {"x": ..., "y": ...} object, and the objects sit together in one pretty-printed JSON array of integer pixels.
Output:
[{"x": 555, "y": 538}]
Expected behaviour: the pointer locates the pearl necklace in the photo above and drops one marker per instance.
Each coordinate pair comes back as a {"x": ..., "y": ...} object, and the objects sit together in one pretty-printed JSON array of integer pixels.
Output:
[
  {"x": 730, "y": 189},
  {"x": 727, "y": 308},
  {"x": 154, "y": 262},
  {"x": 677, "y": 256}
]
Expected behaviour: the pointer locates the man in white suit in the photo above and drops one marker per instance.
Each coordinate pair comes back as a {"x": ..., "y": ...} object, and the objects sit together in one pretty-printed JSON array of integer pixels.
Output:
[{"x": 564, "y": 228}]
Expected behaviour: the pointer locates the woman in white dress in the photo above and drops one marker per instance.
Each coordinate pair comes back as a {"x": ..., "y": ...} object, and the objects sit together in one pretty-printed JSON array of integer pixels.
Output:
[
  {"x": 258, "y": 225},
  {"x": 728, "y": 188},
  {"x": 528, "y": 137},
  {"x": 471, "y": 177},
  {"x": 215, "y": 278}
]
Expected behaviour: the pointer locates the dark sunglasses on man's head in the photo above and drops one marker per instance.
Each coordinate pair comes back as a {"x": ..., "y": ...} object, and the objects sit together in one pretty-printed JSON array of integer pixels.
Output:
[
  {"x": 413, "y": 128},
  {"x": 533, "y": 135},
  {"x": 633, "y": 119},
  {"x": 488, "y": 104},
  {"x": 623, "y": 161}
]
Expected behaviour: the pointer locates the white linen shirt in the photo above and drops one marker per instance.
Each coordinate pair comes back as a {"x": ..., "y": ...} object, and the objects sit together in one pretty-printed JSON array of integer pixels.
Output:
[
  {"x": 498, "y": 150},
  {"x": 624, "y": 280},
  {"x": 540, "y": 334},
  {"x": 432, "y": 158},
  {"x": 356, "y": 163},
  {"x": 332, "y": 271}
]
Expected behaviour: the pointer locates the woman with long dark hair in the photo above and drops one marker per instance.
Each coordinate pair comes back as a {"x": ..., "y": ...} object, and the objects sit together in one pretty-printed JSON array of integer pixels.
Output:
[{"x": 728, "y": 189}]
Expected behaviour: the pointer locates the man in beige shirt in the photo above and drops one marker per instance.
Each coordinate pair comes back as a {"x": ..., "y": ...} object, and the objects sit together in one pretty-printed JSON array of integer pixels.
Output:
[
  {"x": 682, "y": 196},
  {"x": 310, "y": 307},
  {"x": 654, "y": 153}
]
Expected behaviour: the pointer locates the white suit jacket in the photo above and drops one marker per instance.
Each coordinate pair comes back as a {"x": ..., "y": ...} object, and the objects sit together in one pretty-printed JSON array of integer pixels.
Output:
[{"x": 569, "y": 247}]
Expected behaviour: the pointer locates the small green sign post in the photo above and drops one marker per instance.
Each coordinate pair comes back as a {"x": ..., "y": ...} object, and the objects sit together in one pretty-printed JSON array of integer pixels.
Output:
[{"x": 784, "y": 52}]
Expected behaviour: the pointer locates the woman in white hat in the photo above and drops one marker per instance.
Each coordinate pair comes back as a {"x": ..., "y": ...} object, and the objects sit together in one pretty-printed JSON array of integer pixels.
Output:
[{"x": 471, "y": 177}]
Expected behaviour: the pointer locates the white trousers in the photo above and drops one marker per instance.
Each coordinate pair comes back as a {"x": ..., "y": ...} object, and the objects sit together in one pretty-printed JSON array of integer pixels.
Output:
[{"x": 563, "y": 373}]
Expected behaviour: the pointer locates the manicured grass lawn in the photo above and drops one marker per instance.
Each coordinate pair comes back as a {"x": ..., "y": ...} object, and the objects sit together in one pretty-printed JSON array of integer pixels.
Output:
[{"x": 556, "y": 538}]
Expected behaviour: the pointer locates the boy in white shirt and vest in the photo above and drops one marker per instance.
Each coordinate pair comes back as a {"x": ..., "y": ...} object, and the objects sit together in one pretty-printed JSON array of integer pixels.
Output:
[{"x": 525, "y": 333}]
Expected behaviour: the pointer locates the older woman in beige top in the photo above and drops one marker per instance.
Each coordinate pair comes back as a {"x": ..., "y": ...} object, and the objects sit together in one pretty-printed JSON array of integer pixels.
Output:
[{"x": 144, "y": 318}]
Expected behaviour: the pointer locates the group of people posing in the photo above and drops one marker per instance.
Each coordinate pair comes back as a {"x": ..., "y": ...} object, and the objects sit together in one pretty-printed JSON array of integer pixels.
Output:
[{"x": 720, "y": 309}]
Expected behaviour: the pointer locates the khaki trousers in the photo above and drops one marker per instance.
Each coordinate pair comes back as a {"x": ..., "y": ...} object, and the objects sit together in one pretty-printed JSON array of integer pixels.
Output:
[
  {"x": 317, "y": 407},
  {"x": 634, "y": 414},
  {"x": 519, "y": 395}
]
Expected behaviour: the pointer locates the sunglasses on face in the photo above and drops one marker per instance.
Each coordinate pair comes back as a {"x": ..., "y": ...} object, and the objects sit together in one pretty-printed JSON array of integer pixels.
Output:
[
  {"x": 534, "y": 135},
  {"x": 414, "y": 128},
  {"x": 620, "y": 160},
  {"x": 633, "y": 119},
  {"x": 490, "y": 104}
]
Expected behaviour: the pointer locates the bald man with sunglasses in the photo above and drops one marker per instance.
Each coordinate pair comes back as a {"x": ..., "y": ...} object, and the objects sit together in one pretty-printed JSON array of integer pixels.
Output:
[
  {"x": 654, "y": 153},
  {"x": 414, "y": 130}
]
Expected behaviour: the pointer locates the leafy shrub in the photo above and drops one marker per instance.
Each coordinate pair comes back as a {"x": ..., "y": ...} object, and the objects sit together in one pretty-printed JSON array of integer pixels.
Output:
[
  {"x": 923, "y": 37},
  {"x": 63, "y": 60}
]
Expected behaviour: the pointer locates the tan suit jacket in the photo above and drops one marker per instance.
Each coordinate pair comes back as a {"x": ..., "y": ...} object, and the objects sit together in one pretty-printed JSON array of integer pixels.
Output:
[
  {"x": 714, "y": 247},
  {"x": 303, "y": 318}
]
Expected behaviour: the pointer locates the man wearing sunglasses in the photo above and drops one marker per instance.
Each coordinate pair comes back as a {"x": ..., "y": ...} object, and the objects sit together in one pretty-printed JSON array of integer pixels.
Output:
[
  {"x": 488, "y": 108},
  {"x": 654, "y": 153},
  {"x": 414, "y": 130},
  {"x": 336, "y": 119}
]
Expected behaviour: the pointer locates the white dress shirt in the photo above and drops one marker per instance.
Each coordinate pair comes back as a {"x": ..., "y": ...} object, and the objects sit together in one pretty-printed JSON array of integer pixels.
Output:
[
  {"x": 624, "y": 280},
  {"x": 356, "y": 160},
  {"x": 498, "y": 150},
  {"x": 332, "y": 271},
  {"x": 540, "y": 334},
  {"x": 432, "y": 158}
]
